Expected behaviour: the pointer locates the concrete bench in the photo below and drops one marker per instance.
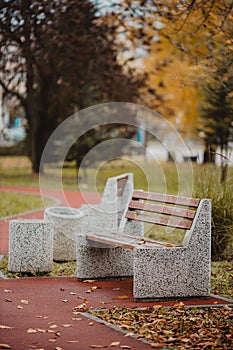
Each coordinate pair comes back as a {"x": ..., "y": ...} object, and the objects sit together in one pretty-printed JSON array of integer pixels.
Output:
[{"x": 160, "y": 270}]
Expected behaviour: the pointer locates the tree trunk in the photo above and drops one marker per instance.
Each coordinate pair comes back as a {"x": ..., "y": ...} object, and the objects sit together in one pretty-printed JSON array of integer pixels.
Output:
[{"x": 209, "y": 154}]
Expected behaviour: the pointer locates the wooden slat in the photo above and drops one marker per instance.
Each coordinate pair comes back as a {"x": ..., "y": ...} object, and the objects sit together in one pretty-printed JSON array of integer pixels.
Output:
[
  {"x": 125, "y": 241},
  {"x": 157, "y": 219},
  {"x": 120, "y": 185},
  {"x": 112, "y": 241},
  {"x": 160, "y": 197},
  {"x": 156, "y": 208}
]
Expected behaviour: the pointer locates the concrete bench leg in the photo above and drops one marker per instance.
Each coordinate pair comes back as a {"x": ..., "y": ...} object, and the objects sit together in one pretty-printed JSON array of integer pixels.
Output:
[
  {"x": 102, "y": 262},
  {"x": 169, "y": 273},
  {"x": 30, "y": 246}
]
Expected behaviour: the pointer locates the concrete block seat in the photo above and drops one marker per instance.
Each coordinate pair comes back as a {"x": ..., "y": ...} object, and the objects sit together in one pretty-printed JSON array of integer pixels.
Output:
[
  {"x": 160, "y": 270},
  {"x": 30, "y": 246},
  {"x": 65, "y": 225}
]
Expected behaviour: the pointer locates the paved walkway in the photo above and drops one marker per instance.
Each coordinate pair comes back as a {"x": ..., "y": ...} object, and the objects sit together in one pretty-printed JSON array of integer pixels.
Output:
[{"x": 44, "y": 313}]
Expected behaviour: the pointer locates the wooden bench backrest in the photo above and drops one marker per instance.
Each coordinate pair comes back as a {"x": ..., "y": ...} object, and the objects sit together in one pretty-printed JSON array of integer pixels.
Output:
[{"x": 175, "y": 211}]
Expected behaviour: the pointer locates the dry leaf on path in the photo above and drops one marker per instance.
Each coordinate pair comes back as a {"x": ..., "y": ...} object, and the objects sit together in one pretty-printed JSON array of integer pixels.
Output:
[
  {"x": 5, "y": 346},
  {"x": 25, "y": 302},
  {"x": 2, "y": 326},
  {"x": 31, "y": 330},
  {"x": 120, "y": 297},
  {"x": 72, "y": 341},
  {"x": 115, "y": 343}
]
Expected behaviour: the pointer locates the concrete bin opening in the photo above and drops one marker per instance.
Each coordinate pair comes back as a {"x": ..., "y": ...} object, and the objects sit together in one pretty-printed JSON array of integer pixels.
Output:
[{"x": 65, "y": 225}]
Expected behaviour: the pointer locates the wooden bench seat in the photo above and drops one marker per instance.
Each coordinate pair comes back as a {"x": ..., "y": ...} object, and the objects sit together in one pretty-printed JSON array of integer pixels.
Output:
[{"x": 159, "y": 269}]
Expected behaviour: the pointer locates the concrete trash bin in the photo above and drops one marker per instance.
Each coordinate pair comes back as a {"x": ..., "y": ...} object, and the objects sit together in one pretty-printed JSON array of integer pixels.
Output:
[
  {"x": 30, "y": 246},
  {"x": 65, "y": 226}
]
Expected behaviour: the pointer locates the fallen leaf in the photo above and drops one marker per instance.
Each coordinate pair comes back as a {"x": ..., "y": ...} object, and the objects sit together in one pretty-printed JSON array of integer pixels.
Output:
[
  {"x": 115, "y": 343},
  {"x": 2, "y": 326},
  {"x": 52, "y": 340},
  {"x": 7, "y": 290},
  {"x": 89, "y": 281},
  {"x": 50, "y": 331},
  {"x": 72, "y": 341},
  {"x": 62, "y": 289},
  {"x": 53, "y": 326},
  {"x": 5, "y": 346},
  {"x": 58, "y": 348},
  {"x": 73, "y": 293},
  {"x": 25, "y": 302},
  {"x": 156, "y": 345},
  {"x": 19, "y": 307},
  {"x": 125, "y": 347},
  {"x": 81, "y": 308},
  {"x": 120, "y": 297},
  {"x": 66, "y": 325},
  {"x": 41, "y": 330},
  {"x": 91, "y": 323},
  {"x": 58, "y": 334},
  {"x": 76, "y": 318},
  {"x": 31, "y": 330},
  {"x": 98, "y": 346},
  {"x": 169, "y": 245},
  {"x": 65, "y": 301}
]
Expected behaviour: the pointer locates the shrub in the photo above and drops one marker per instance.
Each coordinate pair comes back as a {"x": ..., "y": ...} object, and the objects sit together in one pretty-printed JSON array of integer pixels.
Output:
[{"x": 207, "y": 185}]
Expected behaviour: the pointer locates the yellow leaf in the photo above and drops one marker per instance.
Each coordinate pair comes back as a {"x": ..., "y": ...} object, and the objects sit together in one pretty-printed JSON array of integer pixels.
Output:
[
  {"x": 31, "y": 330},
  {"x": 53, "y": 326},
  {"x": 115, "y": 343},
  {"x": 25, "y": 302},
  {"x": 5, "y": 346},
  {"x": 2, "y": 326},
  {"x": 121, "y": 297}
]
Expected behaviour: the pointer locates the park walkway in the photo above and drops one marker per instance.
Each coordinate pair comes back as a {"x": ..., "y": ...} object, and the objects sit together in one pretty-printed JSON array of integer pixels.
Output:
[{"x": 51, "y": 313}]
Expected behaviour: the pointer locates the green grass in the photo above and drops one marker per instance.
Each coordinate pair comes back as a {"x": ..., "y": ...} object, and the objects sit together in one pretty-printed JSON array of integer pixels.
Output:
[
  {"x": 58, "y": 269},
  {"x": 14, "y": 203}
]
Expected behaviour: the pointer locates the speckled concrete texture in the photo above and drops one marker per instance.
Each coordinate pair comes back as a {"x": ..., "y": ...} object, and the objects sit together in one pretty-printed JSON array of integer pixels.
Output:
[
  {"x": 177, "y": 271},
  {"x": 102, "y": 262},
  {"x": 65, "y": 226},
  {"x": 30, "y": 246},
  {"x": 108, "y": 214},
  {"x": 97, "y": 260}
]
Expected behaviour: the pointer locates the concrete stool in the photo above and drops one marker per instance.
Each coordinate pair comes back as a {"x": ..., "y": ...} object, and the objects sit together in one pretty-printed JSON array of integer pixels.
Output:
[
  {"x": 30, "y": 246},
  {"x": 65, "y": 225}
]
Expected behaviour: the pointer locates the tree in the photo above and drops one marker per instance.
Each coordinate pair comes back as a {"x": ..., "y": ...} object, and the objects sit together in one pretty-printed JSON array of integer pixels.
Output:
[
  {"x": 217, "y": 112},
  {"x": 57, "y": 56}
]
